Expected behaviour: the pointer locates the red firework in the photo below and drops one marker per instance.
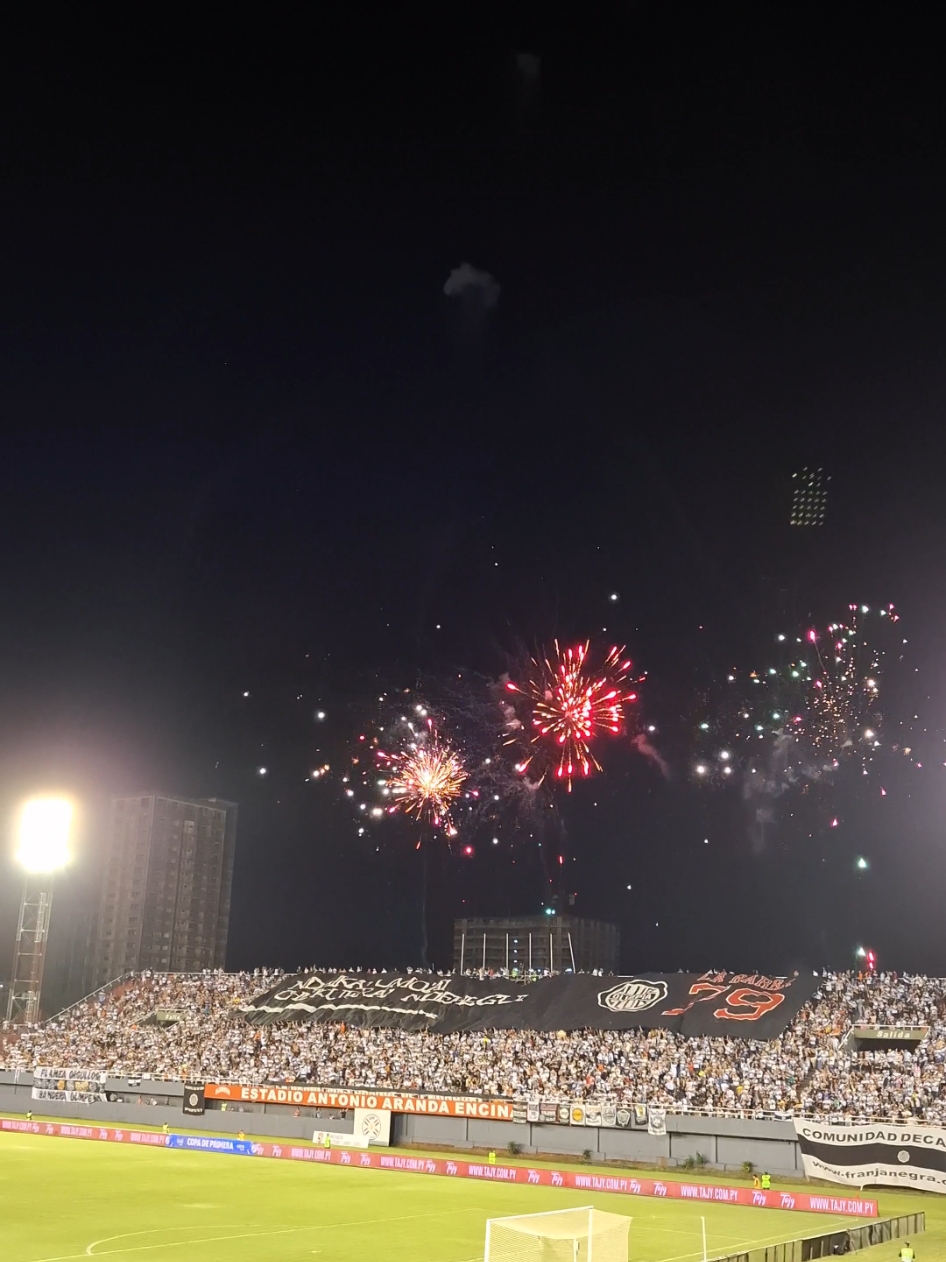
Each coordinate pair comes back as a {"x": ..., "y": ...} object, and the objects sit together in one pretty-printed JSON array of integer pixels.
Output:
[{"x": 572, "y": 705}]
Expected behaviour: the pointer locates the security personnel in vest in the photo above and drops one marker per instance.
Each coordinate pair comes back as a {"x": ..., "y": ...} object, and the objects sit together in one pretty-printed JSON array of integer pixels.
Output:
[
  {"x": 906, "y": 1253},
  {"x": 766, "y": 1182}
]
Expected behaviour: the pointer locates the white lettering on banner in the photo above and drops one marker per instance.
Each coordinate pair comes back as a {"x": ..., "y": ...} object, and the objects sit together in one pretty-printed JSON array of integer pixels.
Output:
[
  {"x": 335, "y": 993},
  {"x": 318, "y": 1097}
]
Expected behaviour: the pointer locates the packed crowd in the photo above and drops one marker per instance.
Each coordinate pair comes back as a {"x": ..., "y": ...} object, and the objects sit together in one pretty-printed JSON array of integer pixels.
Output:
[{"x": 192, "y": 1027}]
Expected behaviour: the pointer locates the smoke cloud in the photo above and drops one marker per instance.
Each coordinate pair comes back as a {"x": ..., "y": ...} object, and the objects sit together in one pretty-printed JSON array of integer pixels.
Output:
[
  {"x": 472, "y": 286},
  {"x": 643, "y": 746}
]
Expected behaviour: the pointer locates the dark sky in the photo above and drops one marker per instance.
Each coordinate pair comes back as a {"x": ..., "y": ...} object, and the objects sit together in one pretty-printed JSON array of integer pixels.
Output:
[{"x": 250, "y": 445}]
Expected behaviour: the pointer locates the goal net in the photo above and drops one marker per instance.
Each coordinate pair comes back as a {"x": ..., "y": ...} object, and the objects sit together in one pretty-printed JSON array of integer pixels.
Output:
[{"x": 565, "y": 1235}]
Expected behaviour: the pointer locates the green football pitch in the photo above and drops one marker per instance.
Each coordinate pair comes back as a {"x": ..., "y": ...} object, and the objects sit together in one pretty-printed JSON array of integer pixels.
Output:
[{"x": 62, "y": 1200}]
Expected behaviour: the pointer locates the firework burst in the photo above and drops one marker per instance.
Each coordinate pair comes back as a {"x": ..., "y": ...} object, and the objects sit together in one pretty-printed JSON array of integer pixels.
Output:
[
  {"x": 425, "y": 779},
  {"x": 816, "y": 704},
  {"x": 844, "y": 693},
  {"x": 572, "y": 704}
]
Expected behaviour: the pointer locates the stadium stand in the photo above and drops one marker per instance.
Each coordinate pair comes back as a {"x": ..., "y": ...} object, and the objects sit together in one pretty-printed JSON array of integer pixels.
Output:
[{"x": 813, "y": 1068}]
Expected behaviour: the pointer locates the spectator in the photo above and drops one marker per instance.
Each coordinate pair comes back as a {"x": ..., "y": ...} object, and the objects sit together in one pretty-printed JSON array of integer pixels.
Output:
[{"x": 812, "y": 1068}]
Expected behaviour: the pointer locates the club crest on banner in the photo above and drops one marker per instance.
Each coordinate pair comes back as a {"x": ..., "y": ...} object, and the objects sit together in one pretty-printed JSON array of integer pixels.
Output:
[
  {"x": 634, "y": 996},
  {"x": 371, "y": 1126}
]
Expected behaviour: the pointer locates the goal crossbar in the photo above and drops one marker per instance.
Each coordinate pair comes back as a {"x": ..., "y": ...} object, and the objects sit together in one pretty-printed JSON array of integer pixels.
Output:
[{"x": 581, "y": 1234}]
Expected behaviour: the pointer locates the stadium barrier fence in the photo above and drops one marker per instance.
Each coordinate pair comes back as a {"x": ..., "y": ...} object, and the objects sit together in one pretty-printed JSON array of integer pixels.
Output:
[{"x": 834, "y": 1243}]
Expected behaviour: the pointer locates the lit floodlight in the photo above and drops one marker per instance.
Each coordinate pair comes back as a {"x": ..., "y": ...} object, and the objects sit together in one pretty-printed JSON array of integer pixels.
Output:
[{"x": 43, "y": 837}]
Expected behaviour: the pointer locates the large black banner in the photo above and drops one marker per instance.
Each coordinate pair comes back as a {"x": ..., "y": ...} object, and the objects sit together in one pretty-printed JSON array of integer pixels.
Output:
[{"x": 747, "y": 1005}]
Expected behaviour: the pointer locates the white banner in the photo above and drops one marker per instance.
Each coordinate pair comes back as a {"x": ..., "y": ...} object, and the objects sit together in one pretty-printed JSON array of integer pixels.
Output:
[
  {"x": 656, "y": 1121},
  {"x": 75, "y": 1086},
  {"x": 877, "y": 1152},
  {"x": 67, "y": 1076},
  {"x": 339, "y": 1139},
  {"x": 69, "y": 1097},
  {"x": 374, "y": 1126}
]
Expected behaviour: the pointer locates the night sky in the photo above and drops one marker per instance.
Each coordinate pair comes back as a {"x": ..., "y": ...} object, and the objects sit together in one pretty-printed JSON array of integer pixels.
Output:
[{"x": 250, "y": 445}]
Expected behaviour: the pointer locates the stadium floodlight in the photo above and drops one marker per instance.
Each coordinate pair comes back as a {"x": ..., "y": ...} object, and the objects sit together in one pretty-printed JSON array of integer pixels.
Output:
[
  {"x": 564, "y": 1235},
  {"x": 43, "y": 835},
  {"x": 42, "y": 849}
]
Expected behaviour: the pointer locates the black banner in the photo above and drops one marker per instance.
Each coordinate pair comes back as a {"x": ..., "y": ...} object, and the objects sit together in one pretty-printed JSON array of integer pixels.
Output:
[
  {"x": 745, "y": 1005},
  {"x": 194, "y": 1098}
]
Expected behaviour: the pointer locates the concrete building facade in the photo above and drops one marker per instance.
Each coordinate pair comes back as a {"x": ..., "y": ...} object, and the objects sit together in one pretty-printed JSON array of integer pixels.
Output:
[{"x": 165, "y": 898}]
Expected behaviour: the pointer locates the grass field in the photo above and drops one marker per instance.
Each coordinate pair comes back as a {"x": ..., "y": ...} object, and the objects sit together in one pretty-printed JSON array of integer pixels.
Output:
[{"x": 65, "y": 1199}]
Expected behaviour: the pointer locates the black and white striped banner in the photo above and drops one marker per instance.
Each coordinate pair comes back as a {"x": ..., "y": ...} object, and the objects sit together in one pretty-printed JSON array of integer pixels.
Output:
[{"x": 877, "y": 1152}]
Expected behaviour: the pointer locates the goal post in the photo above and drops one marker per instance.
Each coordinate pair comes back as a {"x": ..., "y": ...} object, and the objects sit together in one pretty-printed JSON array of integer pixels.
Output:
[{"x": 585, "y": 1234}]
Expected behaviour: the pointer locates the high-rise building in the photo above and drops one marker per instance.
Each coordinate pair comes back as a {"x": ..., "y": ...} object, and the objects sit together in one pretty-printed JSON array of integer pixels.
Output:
[
  {"x": 527, "y": 943},
  {"x": 165, "y": 901},
  {"x": 809, "y": 497}
]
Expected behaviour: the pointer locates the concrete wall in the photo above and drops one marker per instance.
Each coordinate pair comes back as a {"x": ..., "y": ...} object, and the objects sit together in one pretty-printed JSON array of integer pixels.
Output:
[
  {"x": 724, "y": 1142},
  {"x": 255, "y": 1119}
]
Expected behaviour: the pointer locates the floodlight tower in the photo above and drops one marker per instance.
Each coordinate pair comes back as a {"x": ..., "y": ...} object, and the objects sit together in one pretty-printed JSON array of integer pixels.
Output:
[{"x": 42, "y": 850}]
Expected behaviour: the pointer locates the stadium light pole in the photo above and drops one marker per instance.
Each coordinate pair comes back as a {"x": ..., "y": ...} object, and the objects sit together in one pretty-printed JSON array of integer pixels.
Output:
[{"x": 42, "y": 850}]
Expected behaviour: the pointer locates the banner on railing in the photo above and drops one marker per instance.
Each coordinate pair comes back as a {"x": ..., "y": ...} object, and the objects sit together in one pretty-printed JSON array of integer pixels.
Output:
[
  {"x": 75, "y": 1086},
  {"x": 194, "y": 1098},
  {"x": 876, "y": 1152},
  {"x": 747, "y": 1005},
  {"x": 656, "y": 1121}
]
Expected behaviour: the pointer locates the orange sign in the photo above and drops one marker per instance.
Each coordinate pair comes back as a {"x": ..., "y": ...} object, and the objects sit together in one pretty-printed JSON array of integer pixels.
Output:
[{"x": 331, "y": 1098}]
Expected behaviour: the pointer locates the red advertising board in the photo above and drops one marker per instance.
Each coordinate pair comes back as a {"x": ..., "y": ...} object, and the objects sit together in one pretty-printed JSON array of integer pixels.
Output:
[{"x": 626, "y": 1184}]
